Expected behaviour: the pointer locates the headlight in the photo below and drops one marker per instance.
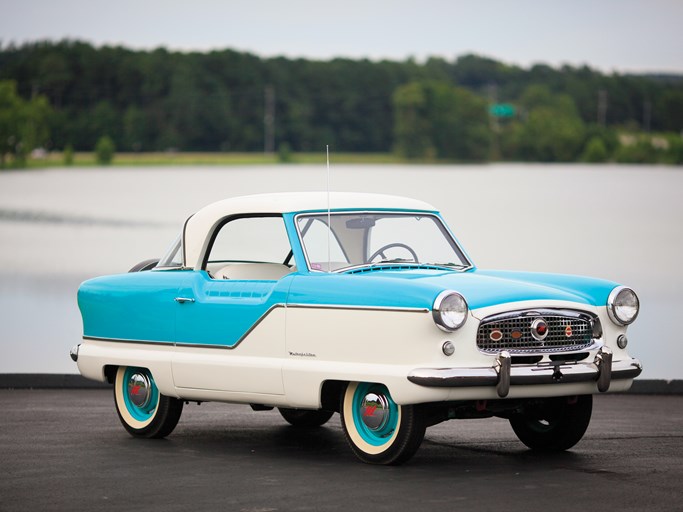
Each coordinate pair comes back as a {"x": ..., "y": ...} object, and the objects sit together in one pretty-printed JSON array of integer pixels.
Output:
[
  {"x": 449, "y": 310},
  {"x": 622, "y": 305}
]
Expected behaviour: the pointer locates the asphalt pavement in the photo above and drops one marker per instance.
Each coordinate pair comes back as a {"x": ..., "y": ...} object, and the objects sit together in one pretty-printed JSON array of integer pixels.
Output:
[{"x": 66, "y": 450}]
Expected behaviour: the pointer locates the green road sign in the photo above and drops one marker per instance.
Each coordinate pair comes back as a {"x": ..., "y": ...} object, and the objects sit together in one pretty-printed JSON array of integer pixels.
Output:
[{"x": 502, "y": 110}]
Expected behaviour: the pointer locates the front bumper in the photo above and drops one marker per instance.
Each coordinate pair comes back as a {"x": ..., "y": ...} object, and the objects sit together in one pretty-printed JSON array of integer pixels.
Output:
[{"x": 503, "y": 375}]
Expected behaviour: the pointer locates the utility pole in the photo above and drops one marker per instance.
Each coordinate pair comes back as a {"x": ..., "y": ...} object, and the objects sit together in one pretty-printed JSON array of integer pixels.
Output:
[{"x": 269, "y": 120}]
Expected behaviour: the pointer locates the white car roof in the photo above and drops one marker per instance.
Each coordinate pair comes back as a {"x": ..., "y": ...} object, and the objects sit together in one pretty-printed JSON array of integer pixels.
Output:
[{"x": 205, "y": 220}]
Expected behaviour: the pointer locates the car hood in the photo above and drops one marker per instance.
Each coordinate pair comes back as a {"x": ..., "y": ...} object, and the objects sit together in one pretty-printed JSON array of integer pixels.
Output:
[{"x": 419, "y": 288}]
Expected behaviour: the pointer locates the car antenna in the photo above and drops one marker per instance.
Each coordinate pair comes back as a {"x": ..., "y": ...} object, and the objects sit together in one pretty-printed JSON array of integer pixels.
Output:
[{"x": 329, "y": 215}]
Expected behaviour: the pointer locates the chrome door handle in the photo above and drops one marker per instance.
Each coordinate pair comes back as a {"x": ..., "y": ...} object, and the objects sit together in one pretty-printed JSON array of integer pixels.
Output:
[{"x": 183, "y": 300}]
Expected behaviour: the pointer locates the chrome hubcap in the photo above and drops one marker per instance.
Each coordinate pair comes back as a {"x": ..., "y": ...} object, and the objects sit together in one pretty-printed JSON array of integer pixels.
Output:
[
  {"x": 375, "y": 411},
  {"x": 139, "y": 389}
]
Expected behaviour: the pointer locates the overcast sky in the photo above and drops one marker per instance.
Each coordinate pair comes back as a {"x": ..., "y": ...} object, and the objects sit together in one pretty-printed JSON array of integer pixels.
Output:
[{"x": 610, "y": 35}]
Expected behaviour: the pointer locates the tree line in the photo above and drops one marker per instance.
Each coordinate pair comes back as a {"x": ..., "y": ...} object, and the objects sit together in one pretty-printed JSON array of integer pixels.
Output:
[{"x": 232, "y": 101}]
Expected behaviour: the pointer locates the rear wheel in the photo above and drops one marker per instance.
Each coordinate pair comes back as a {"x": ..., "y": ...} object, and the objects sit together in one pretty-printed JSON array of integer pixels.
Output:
[
  {"x": 556, "y": 424},
  {"x": 304, "y": 417},
  {"x": 143, "y": 411},
  {"x": 378, "y": 430}
]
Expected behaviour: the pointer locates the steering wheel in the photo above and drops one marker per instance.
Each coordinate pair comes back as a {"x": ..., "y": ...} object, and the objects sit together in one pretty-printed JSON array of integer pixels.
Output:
[{"x": 380, "y": 251}]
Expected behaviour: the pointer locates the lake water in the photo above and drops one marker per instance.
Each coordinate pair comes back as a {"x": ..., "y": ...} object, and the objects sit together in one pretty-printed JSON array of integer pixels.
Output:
[{"x": 59, "y": 227}]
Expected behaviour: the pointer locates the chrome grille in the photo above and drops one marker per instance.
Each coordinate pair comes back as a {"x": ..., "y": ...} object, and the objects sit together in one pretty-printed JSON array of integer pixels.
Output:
[{"x": 568, "y": 330}]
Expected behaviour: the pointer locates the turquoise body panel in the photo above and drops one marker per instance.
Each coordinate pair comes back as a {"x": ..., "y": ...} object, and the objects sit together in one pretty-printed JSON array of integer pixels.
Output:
[
  {"x": 138, "y": 306},
  {"x": 418, "y": 288},
  {"x": 141, "y": 306},
  {"x": 224, "y": 310}
]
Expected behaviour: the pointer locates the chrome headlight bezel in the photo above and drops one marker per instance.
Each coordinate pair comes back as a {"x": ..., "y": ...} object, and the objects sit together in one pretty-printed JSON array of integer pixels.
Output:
[
  {"x": 616, "y": 301},
  {"x": 450, "y": 311}
]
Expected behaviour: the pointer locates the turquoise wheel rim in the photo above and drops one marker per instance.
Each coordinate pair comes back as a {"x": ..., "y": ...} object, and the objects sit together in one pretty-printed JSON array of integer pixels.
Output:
[
  {"x": 140, "y": 393},
  {"x": 375, "y": 414}
]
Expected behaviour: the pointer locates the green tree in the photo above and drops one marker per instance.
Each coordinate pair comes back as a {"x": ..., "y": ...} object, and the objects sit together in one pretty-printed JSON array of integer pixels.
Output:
[
  {"x": 674, "y": 154},
  {"x": 23, "y": 124},
  {"x": 470, "y": 136},
  {"x": 284, "y": 153},
  {"x": 595, "y": 151},
  {"x": 552, "y": 130},
  {"x": 68, "y": 155},
  {"x": 437, "y": 119},
  {"x": 670, "y": 110},
  {"x": 104, "y": 119},
  {"x": 104, "y": 150},
  {"x": 208, "y": 101},
  {"x": 134, "y": 129},
  {"x": 412, "y": 125}
]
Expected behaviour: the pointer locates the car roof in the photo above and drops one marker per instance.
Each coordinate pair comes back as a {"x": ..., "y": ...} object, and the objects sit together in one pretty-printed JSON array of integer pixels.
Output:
[{"x": 205, "y": 220}]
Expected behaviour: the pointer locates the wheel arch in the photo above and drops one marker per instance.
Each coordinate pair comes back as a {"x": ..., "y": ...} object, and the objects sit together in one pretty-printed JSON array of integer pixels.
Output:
[
  {"x": 330, "y": 394},
  {"x": 161, "y": 374},
  {"x": 110, "y": 372}
]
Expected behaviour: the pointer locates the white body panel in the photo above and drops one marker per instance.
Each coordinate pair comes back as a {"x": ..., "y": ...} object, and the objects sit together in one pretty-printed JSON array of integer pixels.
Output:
[
  {"x": 253, "y": 366},
  {"x": 286, "y": 359}
]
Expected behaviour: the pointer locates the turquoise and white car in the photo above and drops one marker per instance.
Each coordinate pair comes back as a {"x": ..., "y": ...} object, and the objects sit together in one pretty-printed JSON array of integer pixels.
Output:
[{"x": 360, "y": 304}]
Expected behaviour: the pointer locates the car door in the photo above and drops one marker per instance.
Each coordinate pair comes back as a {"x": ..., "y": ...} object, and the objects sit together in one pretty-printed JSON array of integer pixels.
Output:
[{"x": 230, "y": 319}]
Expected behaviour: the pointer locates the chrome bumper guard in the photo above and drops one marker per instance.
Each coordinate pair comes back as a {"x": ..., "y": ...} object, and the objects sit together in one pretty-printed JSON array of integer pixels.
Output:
[
  {"x": 503, "y": 374},
  {"x": 74, "y": 352}
]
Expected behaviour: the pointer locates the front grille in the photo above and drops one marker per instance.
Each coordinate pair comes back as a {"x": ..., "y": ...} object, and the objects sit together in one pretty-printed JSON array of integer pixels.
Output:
[{"x": 568, "y": 330}]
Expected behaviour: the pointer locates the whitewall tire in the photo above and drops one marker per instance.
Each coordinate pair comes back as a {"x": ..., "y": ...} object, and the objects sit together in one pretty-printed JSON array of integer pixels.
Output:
[
  {"x": 378, "y": 430},
  {"x": 143, "y": 411}
]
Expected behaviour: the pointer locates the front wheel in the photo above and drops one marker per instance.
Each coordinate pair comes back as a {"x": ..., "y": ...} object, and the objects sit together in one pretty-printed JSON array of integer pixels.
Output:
[
  {"x": 555, "y": 425},
  {"x": 143, "y": 411},
  {"x": 378, "y": 430}
]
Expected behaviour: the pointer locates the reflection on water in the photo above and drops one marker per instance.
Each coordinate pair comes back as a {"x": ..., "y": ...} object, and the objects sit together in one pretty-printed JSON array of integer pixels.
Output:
[
  {"x": 59, "y": 227},
  {"x": 59, "y": 218}
]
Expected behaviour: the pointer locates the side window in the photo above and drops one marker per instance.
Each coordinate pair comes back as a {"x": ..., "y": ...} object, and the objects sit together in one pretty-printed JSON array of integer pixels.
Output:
[{"x": 250, "y": 240}]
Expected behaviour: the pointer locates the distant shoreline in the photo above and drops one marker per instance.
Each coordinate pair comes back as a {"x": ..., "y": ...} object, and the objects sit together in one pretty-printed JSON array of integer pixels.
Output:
[
  {"x": 187, "y": 158},
  {"x": 215, "y": 159}
]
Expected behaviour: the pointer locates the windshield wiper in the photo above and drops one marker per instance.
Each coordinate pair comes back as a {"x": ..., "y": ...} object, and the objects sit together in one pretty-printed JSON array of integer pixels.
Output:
[
  {"x": 403, "y": 261},
  {"x": 449, "y": 265},
  {"x": 397, "y": 260}
]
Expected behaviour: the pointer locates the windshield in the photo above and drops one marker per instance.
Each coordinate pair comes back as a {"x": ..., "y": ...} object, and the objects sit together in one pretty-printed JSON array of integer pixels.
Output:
[{"x": 377, "y": 238}]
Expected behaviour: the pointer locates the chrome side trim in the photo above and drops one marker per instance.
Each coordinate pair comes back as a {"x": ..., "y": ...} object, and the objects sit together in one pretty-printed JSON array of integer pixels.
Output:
[
  {"x": 360, "y": 308},
  {"x": 125, "y": 340},
  {"x": 529, "y": 374},
  {"x": 160, "y": 343},
  {"x": 202, "y": 345}
]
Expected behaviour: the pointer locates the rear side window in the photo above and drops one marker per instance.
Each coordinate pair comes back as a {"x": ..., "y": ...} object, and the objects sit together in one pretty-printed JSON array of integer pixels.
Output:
[{"x": 251, "y": 240}]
